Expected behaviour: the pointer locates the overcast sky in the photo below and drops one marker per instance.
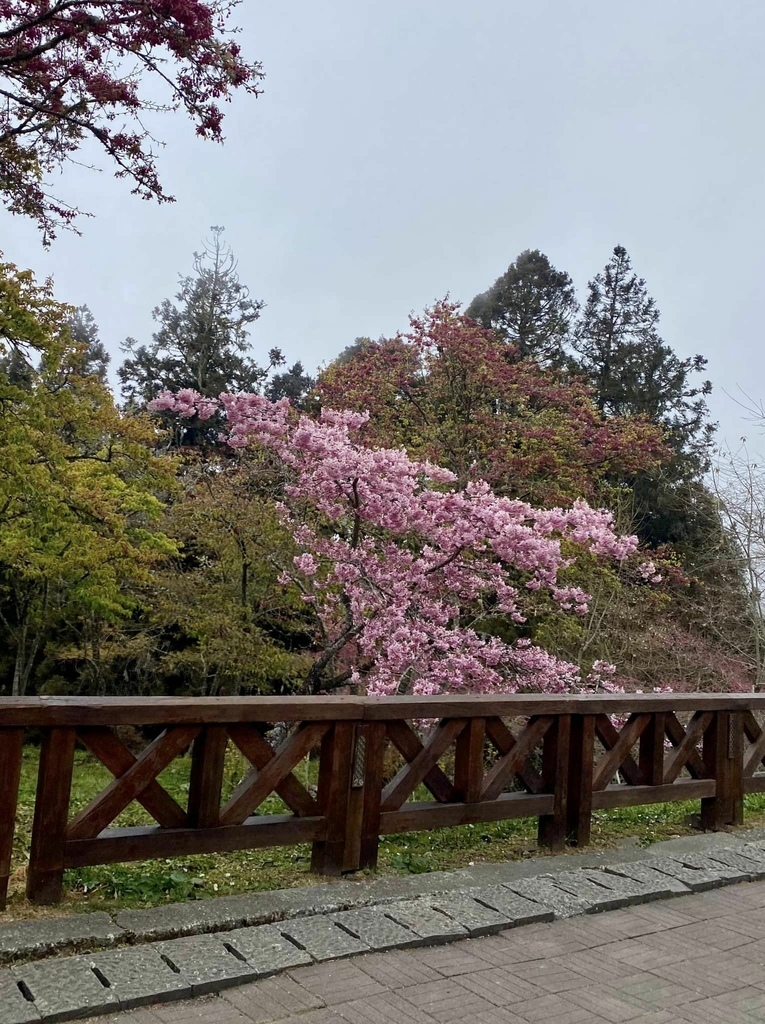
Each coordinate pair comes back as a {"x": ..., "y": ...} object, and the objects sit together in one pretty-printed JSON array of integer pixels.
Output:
[{"x": 407, "y": 149}]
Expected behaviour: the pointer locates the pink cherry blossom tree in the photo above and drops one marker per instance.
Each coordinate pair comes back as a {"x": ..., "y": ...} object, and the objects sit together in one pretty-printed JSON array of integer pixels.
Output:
[{"x": 400, "y": 568}]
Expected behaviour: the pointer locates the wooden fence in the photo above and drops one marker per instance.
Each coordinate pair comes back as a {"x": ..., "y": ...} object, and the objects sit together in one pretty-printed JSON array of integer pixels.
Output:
[{"x": 481, "y": 759}]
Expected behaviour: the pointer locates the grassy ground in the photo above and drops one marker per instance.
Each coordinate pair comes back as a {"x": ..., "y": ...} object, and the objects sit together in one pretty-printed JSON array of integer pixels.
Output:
[{"x": 152, "y": 883}]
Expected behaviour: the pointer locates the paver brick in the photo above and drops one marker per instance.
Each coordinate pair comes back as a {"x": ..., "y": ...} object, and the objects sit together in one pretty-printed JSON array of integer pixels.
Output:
[
  {"x": 552, "y": 1009},
  {"x": 272, "y": 999},
  {"x": 204, "y": 962},
  {"x": 138, "y": 976},
  {"x": 65, "y": 989},
  {"x": 604, "y": 1002},
  {"x": 450, "y": 961},
  {"x": 208, "y": 1009},
  {"x": 265, "y": 949},
  {"x": 549, "y": 975},
  {"x": 378, "y": 931},
  {"x": 396, "y": 970},
  {"x": 499, "y": 986},
  {"x": 337, "y": 982},
  {"x": 322, "y": 938},
  {"x": 387, "y": 1008},
  {"x": 446, "y": 1001},
  {"x": 649, "y": 991}
]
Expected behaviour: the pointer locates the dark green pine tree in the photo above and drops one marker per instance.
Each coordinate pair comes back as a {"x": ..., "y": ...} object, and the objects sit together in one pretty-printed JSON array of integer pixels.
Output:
[
  {"x": 632, "y": 370},
  {"x": 84, "y": 330},
  {"x": 294, "y": 383},
  {"x": 202, "y": 339},
  {"x": 531, "y": 306}
]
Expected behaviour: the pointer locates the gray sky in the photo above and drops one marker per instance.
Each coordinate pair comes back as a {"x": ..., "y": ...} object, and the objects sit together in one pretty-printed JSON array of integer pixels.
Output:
[{"x": 413, "y": 148}]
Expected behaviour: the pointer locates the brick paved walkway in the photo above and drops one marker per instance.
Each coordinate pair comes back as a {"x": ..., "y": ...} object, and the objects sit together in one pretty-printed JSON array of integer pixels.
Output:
[{"x": 697, "y": 958}]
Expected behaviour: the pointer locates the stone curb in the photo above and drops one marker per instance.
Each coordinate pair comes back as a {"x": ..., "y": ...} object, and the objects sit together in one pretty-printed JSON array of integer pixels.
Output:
[
  {"x": 35, "y": 939},
  {"x": 121, "y": 979}
]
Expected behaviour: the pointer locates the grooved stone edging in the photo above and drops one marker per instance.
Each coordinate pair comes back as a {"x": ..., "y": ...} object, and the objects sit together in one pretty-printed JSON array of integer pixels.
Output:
[
  {"x": 31, "y": 939},
  {"x": 92, "y": 983}
]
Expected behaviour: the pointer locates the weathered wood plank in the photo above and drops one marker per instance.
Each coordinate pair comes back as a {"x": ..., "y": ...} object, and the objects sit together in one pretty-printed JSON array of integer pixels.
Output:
[
  {"x": 373, "y": 785},
  {"x": 636, "y": 796},
  {"x": 615, "y": 758},
  {"x": 126, "y": 844},
  {"x": 112, "y": 711},
  {"x": 556, "y": 751},
  {"x": 754, "y": 754},
  {"x": 468, "y": 761},
  {"x": 581, "y": 769},
  {"x": 403, "y": 738},
  {"x": 118, "y": 759},
  {"x": 723, "y": 756},
  {"x": 414, "y": 817},
  {"x": 335, "y": 775},
  {"x": 259, "y": 753},
  {"x": 206, "y": 782},
  {"x": 676, "y": 733},
  {"x": 609, "y": 735},
  {"x": 102, "y": 810},
  {"x": 11, "y": 750},
  {"x": 415, "y": 772},
  {"x": 503, "y": 770},
  {"x": 686, "y": 749},
  {"x": 258, "y": 784},
  {"x": 54, "y": 784},
  {"x": 651, "y": 756},
  {"x": 504, "y": 741}
]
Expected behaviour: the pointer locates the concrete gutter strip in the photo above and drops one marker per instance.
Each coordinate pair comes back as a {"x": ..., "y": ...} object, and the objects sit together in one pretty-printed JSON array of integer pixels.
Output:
[
  {"x": 35, "y": 939},
  {"x": 241, "y": 939}
]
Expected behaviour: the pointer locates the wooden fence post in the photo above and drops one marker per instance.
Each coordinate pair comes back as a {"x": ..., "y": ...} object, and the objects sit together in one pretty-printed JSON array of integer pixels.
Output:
[
  {"x": 579, "y": 793},
  {"x": 555, "y": 777},
  {"x": 11, "y": 750},
  {"x": 723, "y": 750},
  {"x": 651, "y": 751},
  {"x": 335, "y": 776},
  {"x": 206, "y": 781},
  {"x": 363, "y": 830},
  {"x": 54, "y": 784},
  {"x": 468, "y": 761}
]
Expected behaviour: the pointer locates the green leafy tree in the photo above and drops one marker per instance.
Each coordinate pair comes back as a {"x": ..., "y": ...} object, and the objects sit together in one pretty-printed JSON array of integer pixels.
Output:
[
  {"x": 78, "y": 483},
  {"x": 531, "y": 306},
  {"x": 215, "y": 617}
]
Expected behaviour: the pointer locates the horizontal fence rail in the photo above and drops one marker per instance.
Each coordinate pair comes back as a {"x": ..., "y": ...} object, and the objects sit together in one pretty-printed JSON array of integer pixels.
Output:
[{"x": 383, "y": 765}]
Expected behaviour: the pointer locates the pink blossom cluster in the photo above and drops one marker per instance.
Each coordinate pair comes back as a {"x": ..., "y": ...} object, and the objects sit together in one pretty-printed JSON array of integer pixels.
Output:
[
  {"x": 185, "y": 403},
  {"x": 649, "y": 572},
  {"x": 401, "y": 568}
]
